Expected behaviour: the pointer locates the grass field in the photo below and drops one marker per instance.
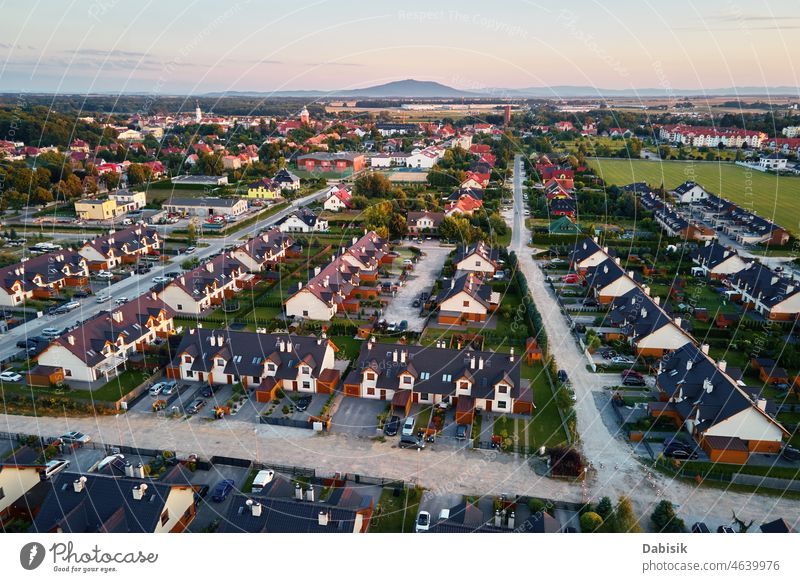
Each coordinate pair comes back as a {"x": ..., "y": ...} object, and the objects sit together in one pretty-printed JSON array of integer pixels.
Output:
[{"x": 777, "y": 198}]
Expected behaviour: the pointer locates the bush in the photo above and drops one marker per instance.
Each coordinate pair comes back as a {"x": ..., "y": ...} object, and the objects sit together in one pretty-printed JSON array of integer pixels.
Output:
[
  {"x": 664, "y": 519},
  {"x": 536, "y": 505},
  {"x": 590, "y": 522}
]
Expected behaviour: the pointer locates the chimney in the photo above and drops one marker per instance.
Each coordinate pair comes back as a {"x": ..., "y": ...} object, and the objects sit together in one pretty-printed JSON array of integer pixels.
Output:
[
  {"x": 183, "y": 280},
  {"x": 128, "y": 469},
  {"x": 298, "y": 492},
  {"x": 138, "y": 471},
  {"x": 317, "y": 270},
  {"x": 71, "y": 339},
  {"x": 646, "y": 290},
  {"x": 472, "y": 363},
  {"x": 657, "y": 300},
  {"x": 605, "y": 249},
  {"x": 210, "y": 267},
  {"x": 762, "y": 403},
  {"x": 480, "y": 360},
  {"x": 323, "y": 518},
  {"x": 722, "y": 365},
  {"x": 511, "y": 520},
  {"x": 310, "y": 493},
  {"x": 139, "y": 491},
  {"x": 403, "y": 356},
  {"x": 688, "y": 365},
  {"x": 617, "y": 260},
  {"x": 498, "y": 521},
  {"x": 281, "y": 345},
  {"x": 394, "y": 356},
  {"x": 79, "y": 484},
  {"x": 704, "y": 348},
  {"x": 630, "y": 274},
  {"x": 677, "y": 321},
  {"x": 452, "y": 283},
  {"x": 255, "y": 507}
]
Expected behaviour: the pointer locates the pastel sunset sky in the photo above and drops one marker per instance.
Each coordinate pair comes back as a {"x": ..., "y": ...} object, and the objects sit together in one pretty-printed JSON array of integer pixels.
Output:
[{"x": 202, "y": 45}]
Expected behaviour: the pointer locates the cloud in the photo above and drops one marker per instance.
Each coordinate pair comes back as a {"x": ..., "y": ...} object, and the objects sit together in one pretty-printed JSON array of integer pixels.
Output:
[
  {"x": 333, "y": 64},
  {"x": 19, "y": 47}
]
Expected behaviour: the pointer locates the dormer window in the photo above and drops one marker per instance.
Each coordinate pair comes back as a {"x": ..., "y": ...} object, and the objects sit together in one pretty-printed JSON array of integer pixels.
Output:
[
  {"x": 220, "y": 362},
  {"x": 271, "y": 367},
  {"x": 407, "y": 379},
  {"x": 305, "y": 370}
]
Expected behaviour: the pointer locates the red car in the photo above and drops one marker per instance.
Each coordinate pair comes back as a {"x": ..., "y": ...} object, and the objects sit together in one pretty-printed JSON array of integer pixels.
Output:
[
  {"x": 634, "y": 373},
  {"x": 572, "y": 278}
]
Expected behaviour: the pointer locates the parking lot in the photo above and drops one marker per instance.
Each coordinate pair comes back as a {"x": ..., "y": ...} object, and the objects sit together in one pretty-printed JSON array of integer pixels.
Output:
[
  {"x": 358, "y": 416},
  {"x": 421, "y": 279}
]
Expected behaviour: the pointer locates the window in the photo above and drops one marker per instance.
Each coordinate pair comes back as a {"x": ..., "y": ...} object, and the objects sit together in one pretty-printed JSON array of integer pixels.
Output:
[
  {"x": 187, "y": 359},
  {"x": 370, "y": 375},
  {"x": 2, "y": 493},
  {"x": 501, "y": 404},
  {"x": 305, "y": 370},
  {"x": 370, "y": 391},
  {"x": 466, "y": 303},
  {"x": 502, "y": 388},
  {"x": 477, "y": 263},
  {"x": 307, "y": 385},
  {"x": 447, "y": 377},
  {"x": 256, "y": 379},
  {"x": 67, "y": 372},
  {"x": 271, "y": 367},
  {"x": 463, "y": 385},
  {"x": 165, "y": 517},
  {"x": 189, "y": 374},
  {"x": 305, "y": 313},
  {"x": 220, "y": 362},
  {"x": 407, "y": 379},
  {"x": 180, "y": 307},
  {"x": 424, "y": 375}
]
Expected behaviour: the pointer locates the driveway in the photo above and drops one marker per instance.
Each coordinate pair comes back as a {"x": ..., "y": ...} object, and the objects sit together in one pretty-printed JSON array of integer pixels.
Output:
[
  {"x": 209, "y": 510},
  {"x": 358, "y": 416},
  {"x": 425, "y": 272}
]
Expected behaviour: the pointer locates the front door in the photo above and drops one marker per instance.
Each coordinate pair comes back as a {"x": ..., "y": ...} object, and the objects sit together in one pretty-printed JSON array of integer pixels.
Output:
[
  {"x": 488, "y": 406},
  {"x": 383, "y": 394}
]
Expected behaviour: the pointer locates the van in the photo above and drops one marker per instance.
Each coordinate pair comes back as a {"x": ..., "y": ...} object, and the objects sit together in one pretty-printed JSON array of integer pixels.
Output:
[
  {"x": 102, "y": 298},
  {"x": 262, "y": 479},
  {"x": 53, "y": 468},
  {"x": 408, "y": 426}
]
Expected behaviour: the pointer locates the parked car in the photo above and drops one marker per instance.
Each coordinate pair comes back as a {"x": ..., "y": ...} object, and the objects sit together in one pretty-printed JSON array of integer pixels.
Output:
[
  {"x": 461, "y": 432},
  {"x": 562, "y": 376},
  {"x": 633, "y": 381},
  {"x": 222, "y": 490},
  {"x": 74, "y": 437},
  {"x": 103, "y": 297},
  {"x": 608, "y": 354},
  {"x": 51, "y": 333},
  {"x": 622, "y": 360},
  {"x": 168, "y": 387},
  {"x": 679, "y": 450},
  {"x": 53, "y": 468},
  {"x": 403, "y": 325},
  {"x": 158, "y": 280},
  {"x": 196, "y": 406},
  {"x": 207, "y": 392},
  {"x": 190, "y": 250},
  {"x": 156, "y": 389},
  {"x": 790, "y": 453},
  {"x": 423, "y": 521},
  {"x": 725, "y": 529},
  {"x": 629, "y": 372},
  {"x": 590, "y": 302},
  {"x": 391, "y": 426},
  {"x": 411, "y": 442},
  {"x": 700, "y": 527},
  {"x": 9, "y": 376},
  {"x": 303, "y": 403},
  {"x": 80, "y": 294},
  {"x": 408, "y": 426},
  {"x": 571, "y": 278},
  {"x": 415, "y": 303},
  {"x": 105, "y": 275},
  {"x": 120, "y": 300}
]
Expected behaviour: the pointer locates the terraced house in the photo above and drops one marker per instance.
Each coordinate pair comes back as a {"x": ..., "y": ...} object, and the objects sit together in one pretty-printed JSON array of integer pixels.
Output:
[
  {"x": 263, "y": 250},
  {"x": 586, "y": 254},
  {"x": 471, "y": 380},
  {"x": 206, "y": 286},
  {"x": 467, "y": 299},
  {"x": 338, "y": 287},
  {"x": 42, "y": 277},
  {"x": 773, "y": 295},
  {"x": 727, "y": 419},
  {"x": 265, "y": 362},
  {"x": 716, "y": 261},
  {"x": 121, "y": 247},
  {"x": 100, "y": 347}
]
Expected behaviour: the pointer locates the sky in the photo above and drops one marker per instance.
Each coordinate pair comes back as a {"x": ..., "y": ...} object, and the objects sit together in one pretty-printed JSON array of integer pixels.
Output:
[{"x": 196, "y": 46}]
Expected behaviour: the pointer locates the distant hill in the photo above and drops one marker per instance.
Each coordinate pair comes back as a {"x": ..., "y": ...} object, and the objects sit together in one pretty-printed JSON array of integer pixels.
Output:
[{"x": 408, "y": 88}]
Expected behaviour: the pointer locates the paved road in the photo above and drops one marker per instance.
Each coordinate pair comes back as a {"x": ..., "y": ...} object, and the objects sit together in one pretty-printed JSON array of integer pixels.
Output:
[
  {"x": 617, "y": 470},
  {"x": 134, "y": 286}
]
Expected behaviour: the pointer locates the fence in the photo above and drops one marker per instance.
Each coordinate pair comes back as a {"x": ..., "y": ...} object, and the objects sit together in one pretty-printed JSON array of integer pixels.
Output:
[
  {"x": 286, "y": 422},
  {"x": 770, "y": 482}
]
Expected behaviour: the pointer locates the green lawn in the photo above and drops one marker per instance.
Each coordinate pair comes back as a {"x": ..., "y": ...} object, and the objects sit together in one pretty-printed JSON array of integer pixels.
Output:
[
  {"x": 395, "y": 514},
  {"x": 545, "y": 428},
  {"x": 769, "y": 195}
]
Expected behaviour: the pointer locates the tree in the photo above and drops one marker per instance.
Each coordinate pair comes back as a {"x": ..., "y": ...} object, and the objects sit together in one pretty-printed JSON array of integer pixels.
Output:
[
  {"x": 136, "y": 174},
  {"x": 605, "y": 508},
  {"x": 590, "y": 522},
  {"x": 665, "y": 520},
  {"x": 372, "y": 186},
  {"x": 111, "y": 180},
  {"x": 41, "y": 196},
  {"x": 624, "y": 519},
  {"x": 359, "y": 202},
  {"x": 191, "y": 233},
  {"x": 90, "y": 184}
]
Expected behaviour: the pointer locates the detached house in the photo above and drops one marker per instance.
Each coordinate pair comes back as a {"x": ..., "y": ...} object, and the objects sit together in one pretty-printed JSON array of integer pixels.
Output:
[
  {"x": 467, "y": 299},
  {"x": 689, "y": 192},
  {"x": 716, "y": 261},
  {"x": 100, "y": 504},
  {"x": 265, "y": 189},
  {"x": 728, "y": 420},
  {"x": 265, "y": 362},
  {"x": 42, "y": 277},
  {"x": 338, "y": 198},
  {"x": 286, "y": 180},
  {"x": 468, "y": 379},
  {"x": 20, "y": 483},
  {"x": 263, "y": 250},
  {"x": 121, "y": 247},
  {"x": 303, "y": 220},
  {"x": 477, "y": 258},
  {"x": 99, "y": 348},
  {"x": 424, "y": 222},
  {"x": 205, "y": 286}
]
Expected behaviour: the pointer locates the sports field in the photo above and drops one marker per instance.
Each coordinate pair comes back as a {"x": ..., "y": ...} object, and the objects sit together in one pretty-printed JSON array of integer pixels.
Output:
[{"x": 777, "y": 198}]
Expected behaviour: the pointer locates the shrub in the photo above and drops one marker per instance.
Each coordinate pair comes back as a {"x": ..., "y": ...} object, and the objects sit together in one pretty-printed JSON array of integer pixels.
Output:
[
  {"x": 665, "y": 520},
  {"x": 590, "y": 522}
]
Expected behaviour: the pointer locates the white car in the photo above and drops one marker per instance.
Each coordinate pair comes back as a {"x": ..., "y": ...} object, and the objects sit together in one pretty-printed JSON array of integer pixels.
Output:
[
  {"x": 51, "y": 332},
  {"x": 161, "y": 279},
  {"x": 74, "y": 437},
  {"x": 622, "y": 360},
  {"x": 423, "y": 521},
  {"x": 120, "y": 300},
  {"x": 105, "y": 275},
  {"x": 102, "y": 298},
  {"x": 156, "y": 389},
  {"x": 9, "y": 376}
]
